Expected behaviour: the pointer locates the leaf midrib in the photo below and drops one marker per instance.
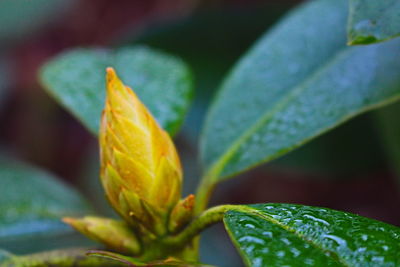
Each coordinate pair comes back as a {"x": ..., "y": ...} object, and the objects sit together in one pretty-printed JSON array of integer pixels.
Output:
[{"x": 216, "y": 168}]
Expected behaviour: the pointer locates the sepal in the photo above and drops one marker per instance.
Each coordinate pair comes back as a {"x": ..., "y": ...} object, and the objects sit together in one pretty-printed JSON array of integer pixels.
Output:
[
  {"x": 182, "y": 214},
  {"x": 116, "y": 235}
]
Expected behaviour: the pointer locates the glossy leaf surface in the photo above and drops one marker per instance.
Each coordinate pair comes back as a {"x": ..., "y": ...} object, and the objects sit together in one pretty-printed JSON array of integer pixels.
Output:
[
  {"x": 372, "y": 21},
  {"x": 299, "y": 81},
  {"x": 295, "y": 235},
  {"x": 77, "y": 80},
  {"x": 32, "y": 203}
]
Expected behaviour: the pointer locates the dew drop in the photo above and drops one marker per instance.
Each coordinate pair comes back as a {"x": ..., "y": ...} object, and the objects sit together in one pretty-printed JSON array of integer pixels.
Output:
[{"x": 316, "y": 219}]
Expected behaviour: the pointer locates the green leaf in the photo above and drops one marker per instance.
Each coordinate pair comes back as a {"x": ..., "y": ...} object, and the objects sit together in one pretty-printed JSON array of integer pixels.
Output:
[
  {"x": 32, "y": 202},
  {"x": 5, "y": 255},
  {"x": 19, "y": 18},
  {"x": 210, "y": 60},
  {"x": 77, "y": 80},
  {"x": 372, "y": 21},
  {"x": 299, "y": 81},
  {"x": 295, "y": 235}
]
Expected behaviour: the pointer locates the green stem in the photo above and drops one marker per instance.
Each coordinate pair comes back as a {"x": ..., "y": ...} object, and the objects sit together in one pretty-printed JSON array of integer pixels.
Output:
[
  {"x": 203, "y": 193},
  {"x": 203, "y": 221},
  {"x": 205, "y": 189},
  {"x": 63, "y": 258},
  {"x": 77, "y": 257}
]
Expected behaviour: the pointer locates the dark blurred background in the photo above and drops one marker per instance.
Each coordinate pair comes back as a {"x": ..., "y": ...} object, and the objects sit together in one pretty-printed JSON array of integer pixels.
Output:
[{"x": 347, "y": 169}]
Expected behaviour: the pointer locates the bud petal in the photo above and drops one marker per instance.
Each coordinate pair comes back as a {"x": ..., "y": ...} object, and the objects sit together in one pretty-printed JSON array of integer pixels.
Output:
[
  {"x": 181, "y": 214},
  {"x": 112, "y": 182},
  {"x": 138, "y": 213},
  {"x": 165, "y": 179},
  {"x": 114, "y": 234},
  {"x": 140, "y": 168}
]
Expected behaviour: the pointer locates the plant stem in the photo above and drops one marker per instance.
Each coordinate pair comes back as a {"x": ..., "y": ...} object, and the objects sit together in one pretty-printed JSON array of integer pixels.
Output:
[
  {"x": 204, "y": 220},
  {"x": 204, "y": 190},
  {"x": 203, "y": 193},
  {"x": 62, "y": 258}
]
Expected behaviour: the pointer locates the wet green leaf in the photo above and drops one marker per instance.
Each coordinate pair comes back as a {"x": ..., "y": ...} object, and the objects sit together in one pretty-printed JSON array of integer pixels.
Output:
[
  {"x": 299, "y": 81},
  {"x": 372, "y": 21},
  {"x": 295, "y": 235},
  {"x": 32, "y": 203},
  {"x": 77, "y": 80}
]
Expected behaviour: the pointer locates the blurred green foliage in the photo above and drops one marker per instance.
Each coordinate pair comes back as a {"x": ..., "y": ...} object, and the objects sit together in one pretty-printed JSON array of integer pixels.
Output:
[
  {"x": 22, "y": 18},
  {"x": 76, "y": 79},
  {"x": 32, "y": 203}
]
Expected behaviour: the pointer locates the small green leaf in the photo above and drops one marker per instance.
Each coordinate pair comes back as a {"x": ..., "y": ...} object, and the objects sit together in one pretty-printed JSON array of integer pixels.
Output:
[
  {"x": 295, "y": 235},
  {"x": 298, "y": 82},
  {"x": 32, "y": 203},
  {"x": 77, "y": 80},
  {"x": 372, "y": 21}
]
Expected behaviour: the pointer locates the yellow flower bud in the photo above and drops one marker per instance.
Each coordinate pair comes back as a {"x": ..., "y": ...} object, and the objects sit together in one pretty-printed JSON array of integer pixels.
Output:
[
  {"x": 114, "y": 234},
  {"x": 140, "y": 168}
]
